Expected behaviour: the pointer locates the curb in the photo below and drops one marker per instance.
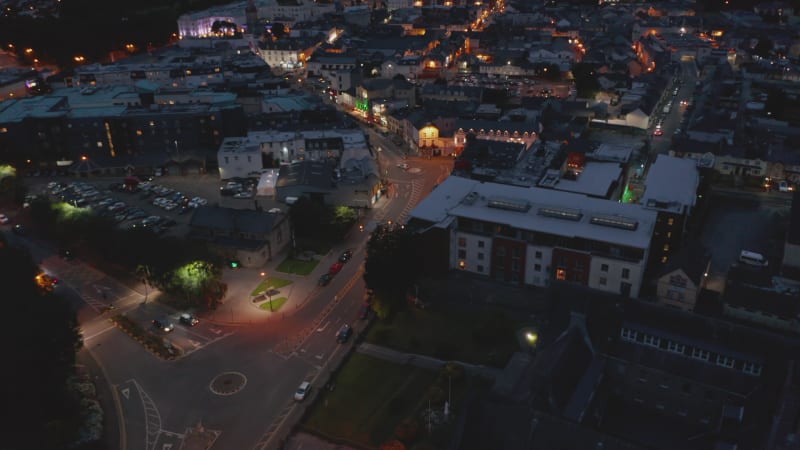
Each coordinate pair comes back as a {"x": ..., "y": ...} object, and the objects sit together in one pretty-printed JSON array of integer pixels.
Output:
[{"x": 152, "y": 351}]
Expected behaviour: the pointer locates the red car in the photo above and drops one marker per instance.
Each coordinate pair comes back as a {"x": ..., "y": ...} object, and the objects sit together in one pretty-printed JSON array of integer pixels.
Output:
[{"x": 335, "y": 268}]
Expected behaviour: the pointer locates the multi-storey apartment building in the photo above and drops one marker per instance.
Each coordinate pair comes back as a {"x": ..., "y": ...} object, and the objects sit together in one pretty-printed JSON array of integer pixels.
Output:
[{"x": 534, "y": 236}]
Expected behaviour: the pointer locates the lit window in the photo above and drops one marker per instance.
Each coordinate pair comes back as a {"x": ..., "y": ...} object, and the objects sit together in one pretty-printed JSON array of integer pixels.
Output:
[
  {"x": 461, "y": 264},
  {"x": 138, "y": 132},
  {"x": 698, "y": 353},
  {"x": 676, "y": 347},
  {"x": 663, "y": 259},
  {"x": 652, "y": 341},
  {"x": 670, "y": 221},
  {"x": 666, "y": 247},
  {"x": 724, "y": 361},
  {"x": 628, "y": 335},
  {"x": 561, "y": 274},
  {"x": 751, "y": 368}
]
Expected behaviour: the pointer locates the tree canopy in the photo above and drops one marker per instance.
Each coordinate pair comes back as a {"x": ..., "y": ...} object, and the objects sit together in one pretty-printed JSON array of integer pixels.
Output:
[
  {"x": 43, "y": 338},
  {"x": 391, "y": 265}
]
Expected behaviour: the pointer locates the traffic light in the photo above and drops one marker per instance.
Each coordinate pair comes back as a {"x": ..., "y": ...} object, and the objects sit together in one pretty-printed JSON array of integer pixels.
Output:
[{"x": 234, "y": 264}]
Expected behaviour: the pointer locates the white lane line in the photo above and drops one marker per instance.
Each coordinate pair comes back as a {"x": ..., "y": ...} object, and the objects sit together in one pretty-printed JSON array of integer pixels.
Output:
[{"x": 86, "y": 338}]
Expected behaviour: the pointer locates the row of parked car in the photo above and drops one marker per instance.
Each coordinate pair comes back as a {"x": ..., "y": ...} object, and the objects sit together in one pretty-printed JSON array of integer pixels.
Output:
[
  {"x": 86, "y": 195},
  {"x": 238, "y": 188},
  {"x": 169, "y": 199},
  {"x": 335, "y": 268}
]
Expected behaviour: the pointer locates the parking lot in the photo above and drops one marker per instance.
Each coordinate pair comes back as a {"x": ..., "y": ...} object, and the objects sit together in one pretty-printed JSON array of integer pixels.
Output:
[
  {"x": 105, "y": 196},
  {"x": 737, "y": 223},
  {"x": 150, "y": 204}
]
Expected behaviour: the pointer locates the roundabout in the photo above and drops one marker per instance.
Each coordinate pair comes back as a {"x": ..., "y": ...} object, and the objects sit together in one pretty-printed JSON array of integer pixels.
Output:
[{"x": 228, "y": 383}]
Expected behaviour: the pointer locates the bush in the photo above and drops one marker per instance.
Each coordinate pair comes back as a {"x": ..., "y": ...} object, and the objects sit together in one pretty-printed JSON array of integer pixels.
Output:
[
  {"x": 436, "y": 395},
  {"x": 407, "y": 431},
  {"x": 396, "y": 404}
]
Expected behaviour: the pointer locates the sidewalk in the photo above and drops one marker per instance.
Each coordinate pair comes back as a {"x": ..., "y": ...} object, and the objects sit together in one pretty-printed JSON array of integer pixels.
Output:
[{"x": 237, "y": 308}]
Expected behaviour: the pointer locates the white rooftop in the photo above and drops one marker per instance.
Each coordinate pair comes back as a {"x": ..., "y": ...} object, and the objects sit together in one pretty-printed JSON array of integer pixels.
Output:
[
  {"x": 671, "y": 184},
  {"x": 536, "y": 209},
  {"x": 595, "y": 179}
]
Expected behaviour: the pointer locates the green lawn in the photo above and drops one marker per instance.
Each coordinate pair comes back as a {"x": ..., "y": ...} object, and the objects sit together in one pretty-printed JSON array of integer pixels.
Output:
[
  {"x": 371, "y": 397},
  {"x": 276, "y": 304},
  {"x": 479, "y": 337},
  {"x": 296, "y": 266},
  {"x": 270, "y": 283}
]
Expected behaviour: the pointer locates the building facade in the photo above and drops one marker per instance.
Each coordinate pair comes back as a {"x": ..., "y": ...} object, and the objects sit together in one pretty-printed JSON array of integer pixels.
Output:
[{"x": 536, "y": 237}]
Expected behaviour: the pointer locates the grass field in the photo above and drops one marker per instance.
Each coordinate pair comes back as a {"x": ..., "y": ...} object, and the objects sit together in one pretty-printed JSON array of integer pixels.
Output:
[
  {"x": 276, "y": 304},
  {"x": 270, "y": 283},
  {"x": 296, "y": 266},
  {"x": 479, "y": 337},
  {"x": 371, "y": 397}
]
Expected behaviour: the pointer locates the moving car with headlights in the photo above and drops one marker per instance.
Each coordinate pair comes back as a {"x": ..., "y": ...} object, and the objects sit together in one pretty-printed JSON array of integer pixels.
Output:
[{"x": 163, "y": 324}]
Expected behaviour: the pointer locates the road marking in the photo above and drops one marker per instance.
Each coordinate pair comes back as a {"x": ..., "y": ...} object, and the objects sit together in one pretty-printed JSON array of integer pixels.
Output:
[
  {"x": 216, "y": 330},
  {"x": 320, "y": 356},
  {"x": 322, "y": 328},
  {"x": 98, "y": 333},
  {"x": 194, "y": 343},
  {"x": 126, "y": 393}
]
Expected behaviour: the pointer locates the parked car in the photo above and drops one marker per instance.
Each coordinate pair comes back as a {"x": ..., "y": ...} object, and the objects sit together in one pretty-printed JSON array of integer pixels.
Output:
[
  {"x": 335, "y": 268},
  {"x": 188, "y": 319},
  {"x": 302, "y": 391},
  {"x": 346, "y": 255},
  {"x": 20, "y": 230},
  {"x": 325, "y": 279},
  {"x": 4, "y": 220},
  {"x": 163, "y": 324},
  {"x": 364, "y": 311},
  {"x": 344, "y": 333}
]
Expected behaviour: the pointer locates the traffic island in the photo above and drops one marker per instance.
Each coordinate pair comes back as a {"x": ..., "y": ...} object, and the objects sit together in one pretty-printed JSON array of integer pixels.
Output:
[
  {"x": 199, "y": 438},
  {"x": 228, "y": 383},
  {"x": 156, "y": 345}
]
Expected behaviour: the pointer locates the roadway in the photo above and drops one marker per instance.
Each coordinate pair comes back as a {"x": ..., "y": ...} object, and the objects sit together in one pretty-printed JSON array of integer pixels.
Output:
[{"x": 160, "y": 400}]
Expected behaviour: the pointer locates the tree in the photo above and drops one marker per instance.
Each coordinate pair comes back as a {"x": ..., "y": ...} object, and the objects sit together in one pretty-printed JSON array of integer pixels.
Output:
[
  {"x": 393, "y": 445},
  {"x": 763, "y": 48},
  {"x": 585, "y": 80},
  {"x": 407, "y": 431},
  {"x": 391, "y": 265},
  {"x": 200, "y": 282},
  {"x": 38, "y": 359}
]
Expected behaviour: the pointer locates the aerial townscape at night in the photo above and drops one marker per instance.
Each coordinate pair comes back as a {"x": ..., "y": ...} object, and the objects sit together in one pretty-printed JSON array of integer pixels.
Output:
[{"x": 400, "y": 224}]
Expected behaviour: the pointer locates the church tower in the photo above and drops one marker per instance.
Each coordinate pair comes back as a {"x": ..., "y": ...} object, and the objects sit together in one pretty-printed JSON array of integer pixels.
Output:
[{"x": 251, "y": 14}]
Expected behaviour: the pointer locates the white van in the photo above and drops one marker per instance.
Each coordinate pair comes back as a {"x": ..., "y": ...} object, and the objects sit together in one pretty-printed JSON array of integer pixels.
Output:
[{"x": 752, "y": 259}]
